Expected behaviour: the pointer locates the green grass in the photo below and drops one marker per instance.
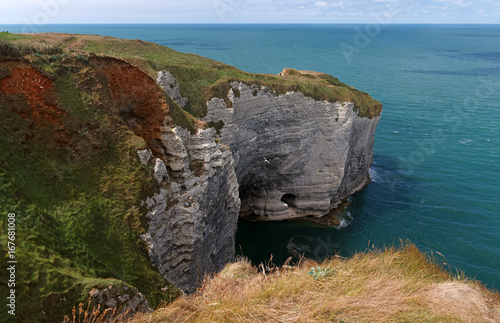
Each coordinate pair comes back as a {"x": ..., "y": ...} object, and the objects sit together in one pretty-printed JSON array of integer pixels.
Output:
[
  {"x": 6, "y": 36},
  {"x": 201, "y": 78},
  {"x": 78, "y": 204}
]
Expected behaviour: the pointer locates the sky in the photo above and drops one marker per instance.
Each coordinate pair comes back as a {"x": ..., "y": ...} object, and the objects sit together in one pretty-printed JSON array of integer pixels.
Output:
[{"x": 43, "y": 12}]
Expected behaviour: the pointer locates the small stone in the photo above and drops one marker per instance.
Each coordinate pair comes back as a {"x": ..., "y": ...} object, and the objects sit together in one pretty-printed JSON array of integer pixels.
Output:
[
  {"x": 160, "y": 170},
  {"x": 94, "y": 292},
  {"x": 144, "y": 155},
  {"x": 110, "y": 303},
  {"x": 134, "y": 304}
]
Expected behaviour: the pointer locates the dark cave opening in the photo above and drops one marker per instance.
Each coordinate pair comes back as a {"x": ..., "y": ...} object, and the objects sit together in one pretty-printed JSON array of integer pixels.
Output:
[{"x": 289, "y": 199}]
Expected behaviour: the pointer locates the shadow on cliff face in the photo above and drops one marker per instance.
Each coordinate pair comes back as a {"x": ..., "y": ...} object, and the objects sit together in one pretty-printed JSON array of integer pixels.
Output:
[{"x": 389, "y": 192}]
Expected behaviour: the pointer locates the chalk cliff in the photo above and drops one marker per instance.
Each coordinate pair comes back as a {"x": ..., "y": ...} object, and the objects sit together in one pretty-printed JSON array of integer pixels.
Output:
[
  {"x": 192, "y": 220},
  {"x": 284, "y": 155},
  {"x": 295, "y": 156}
]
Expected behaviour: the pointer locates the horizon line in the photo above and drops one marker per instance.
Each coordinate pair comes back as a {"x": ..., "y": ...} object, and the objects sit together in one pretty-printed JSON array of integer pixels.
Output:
[{"x": 251, "y": 23}]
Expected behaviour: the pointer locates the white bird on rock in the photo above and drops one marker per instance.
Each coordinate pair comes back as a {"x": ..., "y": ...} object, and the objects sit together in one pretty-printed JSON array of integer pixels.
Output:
[{"x": 266, "y": 161}]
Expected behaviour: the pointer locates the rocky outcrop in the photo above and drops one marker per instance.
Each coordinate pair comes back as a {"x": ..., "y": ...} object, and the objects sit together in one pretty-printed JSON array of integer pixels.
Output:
[
  {"x": 295, "y": 156},
  {"x": 192, "y": 217},
  {"x": 169, "y": 84},
  {"x": 290, "y": 156},
  {"x": 119, "y": 303}
]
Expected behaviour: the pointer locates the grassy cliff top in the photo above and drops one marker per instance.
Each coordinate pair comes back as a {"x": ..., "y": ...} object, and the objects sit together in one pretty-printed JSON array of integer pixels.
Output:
[
  {"x": 392, "y": 285},
  {"x": 200, "y": 78}
]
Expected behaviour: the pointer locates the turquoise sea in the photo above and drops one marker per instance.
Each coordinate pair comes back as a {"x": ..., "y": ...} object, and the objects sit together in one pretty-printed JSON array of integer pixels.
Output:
[{"x": 436, "y": 171}]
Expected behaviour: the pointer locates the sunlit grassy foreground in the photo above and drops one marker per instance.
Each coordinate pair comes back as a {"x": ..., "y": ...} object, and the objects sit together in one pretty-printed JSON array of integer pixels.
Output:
[{"x": 393, "y": 285}]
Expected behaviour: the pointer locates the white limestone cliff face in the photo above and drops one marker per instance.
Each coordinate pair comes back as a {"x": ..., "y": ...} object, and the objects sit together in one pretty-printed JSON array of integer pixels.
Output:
[
  {"x": 294, "y": 156},
  {"x": 192, "y": 219}
]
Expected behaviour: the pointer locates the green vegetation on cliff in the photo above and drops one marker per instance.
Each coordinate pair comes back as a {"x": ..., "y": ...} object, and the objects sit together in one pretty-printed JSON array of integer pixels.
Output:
[
  {"x": 70, "y": 172},
  {"x": 5, "y": 36},
  {"x": 199, "y": 77}
]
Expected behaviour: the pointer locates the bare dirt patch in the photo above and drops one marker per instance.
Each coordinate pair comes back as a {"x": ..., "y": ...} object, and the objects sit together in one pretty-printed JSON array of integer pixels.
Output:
[{"x": 38, "y": 92}]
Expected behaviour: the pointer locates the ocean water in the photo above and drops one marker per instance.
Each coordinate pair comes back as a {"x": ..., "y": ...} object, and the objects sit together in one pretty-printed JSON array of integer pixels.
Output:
[{"x": 436, "y": 170}]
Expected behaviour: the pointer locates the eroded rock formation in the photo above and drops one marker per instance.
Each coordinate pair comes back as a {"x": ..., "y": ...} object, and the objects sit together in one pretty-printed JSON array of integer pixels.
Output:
[
  {"x": 284, "y": 154},
  {"x": 295, "y": 156},
  {"x": 192, "y": 220},
  {"x": 291, "y": 156},
  {"x": 169, "y": 84}
]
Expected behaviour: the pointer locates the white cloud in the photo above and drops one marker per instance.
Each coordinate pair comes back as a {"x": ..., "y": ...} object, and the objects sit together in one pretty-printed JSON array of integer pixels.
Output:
[{"x": 321, "y": 4}]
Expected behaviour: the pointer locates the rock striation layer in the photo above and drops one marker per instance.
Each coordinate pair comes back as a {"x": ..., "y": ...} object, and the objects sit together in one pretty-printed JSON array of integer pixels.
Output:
[
  {"x": 294, "y": 156},
  {"x": 285, "y": 156}
]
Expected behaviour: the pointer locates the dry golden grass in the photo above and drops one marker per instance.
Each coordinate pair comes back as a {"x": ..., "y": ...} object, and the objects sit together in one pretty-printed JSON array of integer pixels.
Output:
[{"x": 394, "y": 285}]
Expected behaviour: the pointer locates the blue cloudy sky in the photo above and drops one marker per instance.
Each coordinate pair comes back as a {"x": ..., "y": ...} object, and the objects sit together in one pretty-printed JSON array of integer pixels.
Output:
[{"x": 249, "y": 11}]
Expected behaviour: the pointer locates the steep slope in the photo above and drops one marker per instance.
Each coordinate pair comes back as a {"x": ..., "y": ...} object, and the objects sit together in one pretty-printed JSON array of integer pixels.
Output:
[
  {"x": 295, "y": 156},
  {"x": 70, "y": 173}
]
